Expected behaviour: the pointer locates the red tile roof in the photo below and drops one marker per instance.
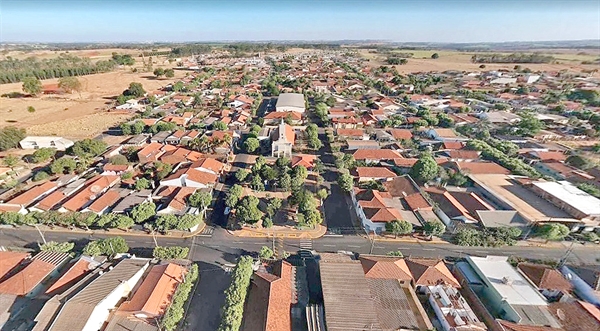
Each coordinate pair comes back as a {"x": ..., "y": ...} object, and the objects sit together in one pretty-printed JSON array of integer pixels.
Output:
[
  {"x": 276, "y": 115},
  {"x": 350, "y": 132},
  {"x": 90, "y": 192},
  {"x": 33, "y": 194},
  {"x": 416, "y": 201},
  {"x": 545, "y": 277},
  {"x": 51, "y": 200},
  {"x": 431, "y": 272},
  {"x": 376, "y": 154},
  {"x": 209, "y": 164},
  {"x": 27, "y": 279},
  {"x": 401, "y": 134},
  {"x": 10, "y": 260},
  {"x": 104, "y": 201},
  {"x": 156, "y": 291},
  {"x": 375, "y": 172},
  {"x": 75, "y": 273},
  {"x": 385, "y": 267},
  {"x": 482, "y": 168}
]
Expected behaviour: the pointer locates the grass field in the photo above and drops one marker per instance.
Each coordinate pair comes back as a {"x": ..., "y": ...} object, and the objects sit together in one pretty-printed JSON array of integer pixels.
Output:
[
  {"x": 457, "y": 60},
  {"x": 72, "y": 115}
]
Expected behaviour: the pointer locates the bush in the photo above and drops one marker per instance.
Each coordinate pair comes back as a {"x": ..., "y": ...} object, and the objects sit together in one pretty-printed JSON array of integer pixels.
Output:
[
  {"x": 553, "y": 231},
  {"x": 265, "y": 253},
  {"x": 40, "y": 175},
  {"x": 503, "y": 236},
  {"x": 107, "y": 246},
  {"x": 235, "y": 296},
  {"x": 175, "y": 311},
  {"x": 169, "y": 253},
  {"x": 53, "y": 246},
  {"x": 10, "y": 137}
]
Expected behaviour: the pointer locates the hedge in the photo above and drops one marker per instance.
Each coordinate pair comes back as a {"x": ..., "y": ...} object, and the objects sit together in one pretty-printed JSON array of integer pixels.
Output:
[
  {"x": 235, "y": 295},
  {"x": 175, "y": 312}
]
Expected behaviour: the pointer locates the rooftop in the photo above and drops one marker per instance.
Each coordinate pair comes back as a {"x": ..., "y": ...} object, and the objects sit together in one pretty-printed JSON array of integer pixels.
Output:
[
  {"x": 290, "y": 100},
  {"x": 571, "y": 195}
]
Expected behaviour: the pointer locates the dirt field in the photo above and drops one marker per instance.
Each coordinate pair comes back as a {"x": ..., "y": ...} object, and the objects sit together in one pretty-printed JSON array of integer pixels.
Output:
[
  {"x": 71, "y": 115},
  {"x": 93, "y": 54},
  {"x": 453, "y": 60}
]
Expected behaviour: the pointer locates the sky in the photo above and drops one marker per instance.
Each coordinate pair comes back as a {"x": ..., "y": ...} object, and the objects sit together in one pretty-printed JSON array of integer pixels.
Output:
[{"x": 313, "y": 20}]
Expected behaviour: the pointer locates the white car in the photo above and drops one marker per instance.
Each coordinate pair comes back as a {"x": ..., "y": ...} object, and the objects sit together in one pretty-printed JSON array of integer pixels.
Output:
[{"x": 227, "y": 211}]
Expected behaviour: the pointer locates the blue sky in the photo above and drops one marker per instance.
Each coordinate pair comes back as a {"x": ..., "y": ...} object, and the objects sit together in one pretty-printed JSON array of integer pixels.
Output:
[{"x": 226, "y": 20}]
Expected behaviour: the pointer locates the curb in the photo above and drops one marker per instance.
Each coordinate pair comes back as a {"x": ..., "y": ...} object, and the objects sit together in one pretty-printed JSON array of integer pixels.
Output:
[
  {"x": 129, "y": 234},
  {"x": 258, "y": 234}
]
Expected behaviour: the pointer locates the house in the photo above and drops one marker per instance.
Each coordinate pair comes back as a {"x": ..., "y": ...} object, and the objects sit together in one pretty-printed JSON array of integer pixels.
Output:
[
  {"x": 430, "y": 272},
  {"x": 89, "y": 308},
  {"x": 9, "y": 261},
  {"x": 568, "y": 197},
  {"x": 152, "y": 298},
  {"x": 386, "y": 267},
  {"x": 92, "y": 189},
  {"x": 561, "y": 171},
  {"x": 136, "y": 141},
  {"x": 36, "y": 142},
  {"x": 479, "y": 167},
  {"x": 459, "y": 206},
  {"x": 356, "y": 134},
  {"x": 362, "y": 144},
  {"x": 375, "y": 209},
  {"x": 283, "y": 139},
  {"x": 444, "y": 135},
  {"x": 347, "y": 298},
  {"x": 270, "y": 299},
  {"x": 28, "y": 280},
  {"x": 274, "y": 118},
  {"x": 150, "y": 152},
  {"x": 188, "y": 176},
  {"x": 305, "y": 160},
  {"x": 34, "y": 194},
  {"x": 374, "y": 173},
  {"x": 401, "y": 134},
  {"x": 501, "y": 218},
  {"x": 293, "y": 102},
  {"x": 376, "y": 155},
  {"x": 549, "y": 281},
  {"x": 160, "y": 137},
  {"x": 500, "y": 117},
  {"x": 503, "y": 292},
  {"x": 77, "y": 270},
  {"x": 452, "y": 310},
  {"x": 132, "y": 200},
  {"x": 176, "y": 200},
  {"x": 576, "y": 315},
  {"x": 104, "y": 202}
]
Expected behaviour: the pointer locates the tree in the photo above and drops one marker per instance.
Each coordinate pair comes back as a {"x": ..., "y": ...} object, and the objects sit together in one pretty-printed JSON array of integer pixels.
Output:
[
  {"x": 235, "y": 295},
  {"x": 398, "y": 227},
  {"x": 435, "y": 56},
  {"x": 241, "y": 174},
  {"x": 43, "y": 154},
  {"x": 219, "y": 126},
  {"x": 135, "y": 90},
  {"x": 251, "y": 145},
  {"x": 31, "y": 109},
  {"x": 108, "y": 246},
  {"x": 10, "y": 160},
  {"x": 200, "y": 200},
  {"x": 159, "y": 72},
  {"x": 273, "y": 206},
  {"x": 32, "y": 85},
  {"x": 425, "y": 169},
  {"x": 434, "y": 228},
  {"x": 188, "y": 222},
  {"x": 62, "y": 165},
  {"x": 233, "y": 195},
  {"x": 395, "y": 253},
  {"x": 141, "y": 184},
  {"x": 170, "y": 253},
  {"x": 553, "y": 231},
  {"x": 529, "y": 125},
  {"x": 10, "y": 137},
  {"x": 119, "y": 160},
  {"x": 121, "y": 222},
  {"x": 247, "y": 210},
  {"x": 285, "y": 182},
  {"x": 40, "y": 175},
  {"x": 468, "y": 237},
  {"x": 88, "y": 148},
  {"x": 346, "y": 182},
  {"x": 322, "y": 194},
  {"x": 169, "y": 73},
  {"x": 265, "y": 253},
  {"x": 53, "y": 246},
  {"x": 166, "y": 222},
  {"x": 69, "y": 84},
  {"x": 143, "y": 212},
  {"x": 267, "y": 223}
]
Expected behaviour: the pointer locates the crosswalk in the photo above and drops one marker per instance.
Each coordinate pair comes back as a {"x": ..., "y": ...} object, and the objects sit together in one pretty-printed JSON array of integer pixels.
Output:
[
  {"x": 306, "y": 247},
  {"x": 207, "y": 232}
]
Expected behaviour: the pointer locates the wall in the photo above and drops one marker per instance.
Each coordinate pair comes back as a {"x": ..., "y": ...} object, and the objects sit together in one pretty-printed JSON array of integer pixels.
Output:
[{"x": 476, "y": 304}]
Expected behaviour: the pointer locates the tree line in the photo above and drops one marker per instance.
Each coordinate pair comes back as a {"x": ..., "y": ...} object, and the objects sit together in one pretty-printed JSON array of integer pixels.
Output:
[
  {"x": 512, "y": 58},
  {"x": 13, "y": 70}
]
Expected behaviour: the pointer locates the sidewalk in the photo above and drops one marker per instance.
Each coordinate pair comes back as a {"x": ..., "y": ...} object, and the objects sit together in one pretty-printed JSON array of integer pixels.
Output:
[
  {"x": 407, "y": 239},
  {"x": 280, "y": 232},
  {"x": 115, "y": 232}
]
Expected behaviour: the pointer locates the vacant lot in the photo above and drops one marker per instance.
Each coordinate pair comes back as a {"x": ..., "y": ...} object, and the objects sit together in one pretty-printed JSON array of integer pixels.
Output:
[
  {"x": 454, "y": 60},
  {"x": 73, "y": 115}
]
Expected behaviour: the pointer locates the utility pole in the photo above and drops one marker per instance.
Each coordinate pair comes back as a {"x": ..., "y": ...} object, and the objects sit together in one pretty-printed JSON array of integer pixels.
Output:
[{"x": 41, "y": 234}]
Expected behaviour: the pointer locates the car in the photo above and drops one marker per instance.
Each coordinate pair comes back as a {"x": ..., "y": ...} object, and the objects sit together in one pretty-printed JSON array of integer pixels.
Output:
[{"x": 227, "y": 211}]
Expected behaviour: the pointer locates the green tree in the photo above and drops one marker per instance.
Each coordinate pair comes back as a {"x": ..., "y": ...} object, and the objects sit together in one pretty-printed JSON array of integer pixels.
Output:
[
  {"x": 31, "y": 109},
  {"x": 398, "y": 227},
  {"x": 10, "y": 160},
  {"x": 62, "y": 165},
  {"x": 188, "y": 222},
  {"x": 425, "y": 169},
  {"x": 135, "y": 90},
  {"x": 235, "y": 295},
  {"x": 10, "y": 137},
  {"x": 529, "y": 125},
  {"x": 322, "y": 194},
  {"x": 32, "y": 85},
  {"x": 121, "y": 222},
  {"x": 143, "y": 212},
  {"x": 141, "y": 184},
  {"x": 70, "y": 84},
  {"x": 158, "y": 72},
  {"x": 43, "y": 155},
  {"x": 434, "y": 228},
  {"x": 119, "y": 160},
  {"x": 169, "y": 73},
  {"x": 241, "y": 175},
  {"x": 251, "y": 145},
  {"x": 108, "y": 246},
  {"x": 553, "y": 231},
  {"x": 285, "y": 182},
  {"x": 88, "y": 148},
  {"x": 219, "y": 126},
  {"x": 170, "y": 253},
  {"x": 265, "y": 253},
  {"x": 247, "y": 210},
  {"x": 233, "y": 195},
  {"x": 200, "y": 200},
  {"x": 267, "y": 223},
  {"x": 166, "y": 222},
  {"x": 273, "y": 206},
  {"x": 40, "y": 175},
  {"x": 346, "y": 182},
  {"x": 468, "y": 237},
  {"x": 53, "y": 246},
  {"x": 435, "y": 56}
]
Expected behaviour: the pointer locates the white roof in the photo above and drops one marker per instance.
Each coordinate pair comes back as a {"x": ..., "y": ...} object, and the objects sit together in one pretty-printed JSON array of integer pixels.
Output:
[
  {"x": 572, "y": 196},
  {"x": 290, "y": 100},
  {"x": 517, "y": 291}
]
